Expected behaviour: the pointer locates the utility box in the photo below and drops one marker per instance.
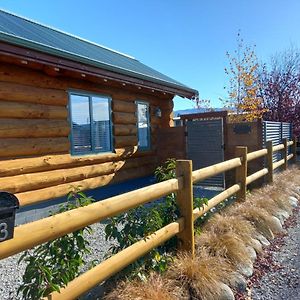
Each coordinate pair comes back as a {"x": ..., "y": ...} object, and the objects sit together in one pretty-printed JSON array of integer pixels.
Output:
[{"x": 8, "y": 205}]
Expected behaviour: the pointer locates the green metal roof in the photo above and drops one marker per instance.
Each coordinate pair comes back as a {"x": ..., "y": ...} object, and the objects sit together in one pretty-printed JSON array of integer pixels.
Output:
[{"x": 24, "y": 32}]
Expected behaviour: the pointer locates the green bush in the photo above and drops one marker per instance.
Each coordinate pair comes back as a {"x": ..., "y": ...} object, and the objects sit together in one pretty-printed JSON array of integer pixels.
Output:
[
  {"x": 52, "y": 265},
  {"x": 136, "y": 224}
]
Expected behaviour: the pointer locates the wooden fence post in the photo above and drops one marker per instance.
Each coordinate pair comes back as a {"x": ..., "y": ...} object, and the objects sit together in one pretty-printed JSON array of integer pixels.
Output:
[
  {"x": 241, "y": 173},
  {"x": 294, "y": 150},
  {"x": 185, "y": 204},
  {"x": 285, "y": 153},
  {"x": 270, "y": 161}
]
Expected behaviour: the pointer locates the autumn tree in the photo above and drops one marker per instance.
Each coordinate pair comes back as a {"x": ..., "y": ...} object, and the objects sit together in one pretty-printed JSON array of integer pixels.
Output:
[
  {"x": 280, "y": 88},
  {"x": 243, "y": 88}
]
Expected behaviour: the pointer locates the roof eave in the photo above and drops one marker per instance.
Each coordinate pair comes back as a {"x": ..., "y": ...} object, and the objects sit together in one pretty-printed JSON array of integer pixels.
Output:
[{"x": 178, "y": 89}]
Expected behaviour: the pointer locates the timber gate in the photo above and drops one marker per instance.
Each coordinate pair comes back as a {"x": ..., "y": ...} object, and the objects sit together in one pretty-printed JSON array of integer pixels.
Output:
[{"x": 205, "y": 146}]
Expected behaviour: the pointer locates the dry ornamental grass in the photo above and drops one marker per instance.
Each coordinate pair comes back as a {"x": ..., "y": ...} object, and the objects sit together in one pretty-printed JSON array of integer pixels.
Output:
[
  {"x": 154, "y": 288},
  {"x": 200, "y": 277},
  {"x": 223, "y": 224},
  {"x": 220, "y": 248}
]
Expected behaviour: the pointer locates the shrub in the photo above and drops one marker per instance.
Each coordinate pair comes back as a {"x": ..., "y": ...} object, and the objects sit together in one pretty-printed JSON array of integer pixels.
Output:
[
  {"x": 136, "y": 224},
  {"x": 52, "y": 265}
]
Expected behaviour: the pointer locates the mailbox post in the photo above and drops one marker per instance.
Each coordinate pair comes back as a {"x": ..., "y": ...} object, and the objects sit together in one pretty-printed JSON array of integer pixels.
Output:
[{"x": 8, "y": 205}]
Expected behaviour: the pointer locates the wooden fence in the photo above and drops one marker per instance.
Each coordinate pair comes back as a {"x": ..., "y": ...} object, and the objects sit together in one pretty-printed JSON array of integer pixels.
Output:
[{"x": 32, "y": 234}]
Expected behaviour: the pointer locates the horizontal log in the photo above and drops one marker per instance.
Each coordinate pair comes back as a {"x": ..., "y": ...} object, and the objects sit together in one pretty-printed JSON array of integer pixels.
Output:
[
  {"x": 53, "y": 227},
  {"x": 127, "y": 151},
  {"x": 290, "y": 156},
  {"x": 137, "y": 162},
  {"x": 15, "y": 128},
  {"x": 27, "y": 76},
  {"x": 125, "y": 130},
  {"x": 155, "y": 120},
  {"x": 11, "y": 147},
  {"x": 123, "y": 106},
  {"x": 44, "y": 194},
  {"x": 256, "y": 154},
  {"x": 40, "y": 195},
  {"x": 37, "y": 78},
  {"x": 30, "y": 94},
  {"x": 131, "y": 173},
  {"x": 18, "y": 166},
  {"x": 35, "y": 181},
  {"x": 31, "y": 111},
  {"x": 216, "y": 169},
  {"x": 278, "y": 147},
  {"x": 278, "y": 164},
  {"x": 290, "y": 143},
  {"x": 256, "y": 175},
  {"x": 38, "y": 180},
  {"x": 123, "y": 141},
  {"x": 122, "y": 94},
  {"x": 124, "y": 118},
  {"x": 51, "y": 162},
  {"x": 133, "y": 151},
  {"x": 116, "y": 263},
  {"x": 198, "y": 212}
]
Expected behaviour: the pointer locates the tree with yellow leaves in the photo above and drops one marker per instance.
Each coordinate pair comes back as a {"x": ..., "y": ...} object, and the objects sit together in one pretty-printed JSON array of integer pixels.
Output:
[{"x": 243, "y": 99}]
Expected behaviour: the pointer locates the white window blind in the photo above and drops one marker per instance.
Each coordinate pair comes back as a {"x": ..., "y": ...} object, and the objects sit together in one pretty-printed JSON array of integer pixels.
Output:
[
  {"x": 91, "y": 124},
  {"x": 143, "y": 125}
]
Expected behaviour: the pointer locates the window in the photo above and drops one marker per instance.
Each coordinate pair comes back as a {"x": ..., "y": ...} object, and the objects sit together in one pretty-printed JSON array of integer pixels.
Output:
[
  {"x": 143, "y": 124},
  {"x": 90, "y": 124}
]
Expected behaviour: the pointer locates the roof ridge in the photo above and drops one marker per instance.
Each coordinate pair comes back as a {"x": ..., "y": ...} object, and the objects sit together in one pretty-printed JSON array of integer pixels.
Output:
[{"x": 66, "y": 33}]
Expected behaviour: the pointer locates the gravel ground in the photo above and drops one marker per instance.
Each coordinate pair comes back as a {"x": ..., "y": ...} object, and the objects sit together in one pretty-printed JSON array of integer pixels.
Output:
[
  {"x": 277, "y": 270},
  {"x": 11, "y": 273}
]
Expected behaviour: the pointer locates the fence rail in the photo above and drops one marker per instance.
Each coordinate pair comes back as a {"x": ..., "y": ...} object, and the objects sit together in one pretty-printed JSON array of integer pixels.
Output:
[{"x": 32, "y": 234}]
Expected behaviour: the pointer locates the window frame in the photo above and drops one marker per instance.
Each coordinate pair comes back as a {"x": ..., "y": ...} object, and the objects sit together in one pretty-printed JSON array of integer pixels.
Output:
[
  {"x": 137, "y": 102},
  {"x": 90, "y": 95}
]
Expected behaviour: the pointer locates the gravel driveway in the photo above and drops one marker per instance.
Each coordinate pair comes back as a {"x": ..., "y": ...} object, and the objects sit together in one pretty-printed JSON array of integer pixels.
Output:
[{"x": 277, "y": 271}]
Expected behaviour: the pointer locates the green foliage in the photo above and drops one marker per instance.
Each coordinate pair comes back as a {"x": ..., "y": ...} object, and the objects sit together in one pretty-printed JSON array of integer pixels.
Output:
[
  {"x": 166, "y": 171},
  {"x": 52, "y": 265},
  {"x": 136, "y": 224}
]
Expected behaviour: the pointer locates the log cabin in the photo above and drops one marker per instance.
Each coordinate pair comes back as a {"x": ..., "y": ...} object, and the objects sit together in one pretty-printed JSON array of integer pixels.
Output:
[{"x": 75, "y": 114}]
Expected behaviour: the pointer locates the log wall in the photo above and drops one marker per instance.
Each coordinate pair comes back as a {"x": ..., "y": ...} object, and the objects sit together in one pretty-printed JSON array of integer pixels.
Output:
[{"x": 35, "y": 160}]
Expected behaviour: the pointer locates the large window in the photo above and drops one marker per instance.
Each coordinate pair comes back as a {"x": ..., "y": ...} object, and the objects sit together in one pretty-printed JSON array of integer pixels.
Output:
[
  {"x": 91, "y": 123},
  {"x": 143, "y": 124}
]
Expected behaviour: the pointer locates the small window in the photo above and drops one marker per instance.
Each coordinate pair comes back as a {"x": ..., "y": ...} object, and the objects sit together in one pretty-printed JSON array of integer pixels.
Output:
[
  {"x": 143, "y": 124},
  {"x": 91, "y": 124}
]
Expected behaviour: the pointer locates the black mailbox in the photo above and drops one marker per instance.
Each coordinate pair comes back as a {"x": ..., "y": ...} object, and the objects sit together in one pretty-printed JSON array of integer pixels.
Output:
[{"x": 8, "y": 205}]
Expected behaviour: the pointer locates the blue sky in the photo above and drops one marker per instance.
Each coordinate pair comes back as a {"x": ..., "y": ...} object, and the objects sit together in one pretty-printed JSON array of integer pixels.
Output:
[{"x": 185, "y": 39}]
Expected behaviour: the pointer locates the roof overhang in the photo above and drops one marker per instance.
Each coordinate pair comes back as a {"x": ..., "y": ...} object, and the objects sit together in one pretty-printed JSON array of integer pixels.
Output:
[{"x": 25, "y": 50}]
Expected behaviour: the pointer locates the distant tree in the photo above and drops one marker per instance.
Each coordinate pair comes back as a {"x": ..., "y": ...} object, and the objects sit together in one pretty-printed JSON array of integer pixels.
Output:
[
  {"x": 280, "y": 88},
  {"x": 203, "y": 104},
  {"x": 243, "y": 89}
]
